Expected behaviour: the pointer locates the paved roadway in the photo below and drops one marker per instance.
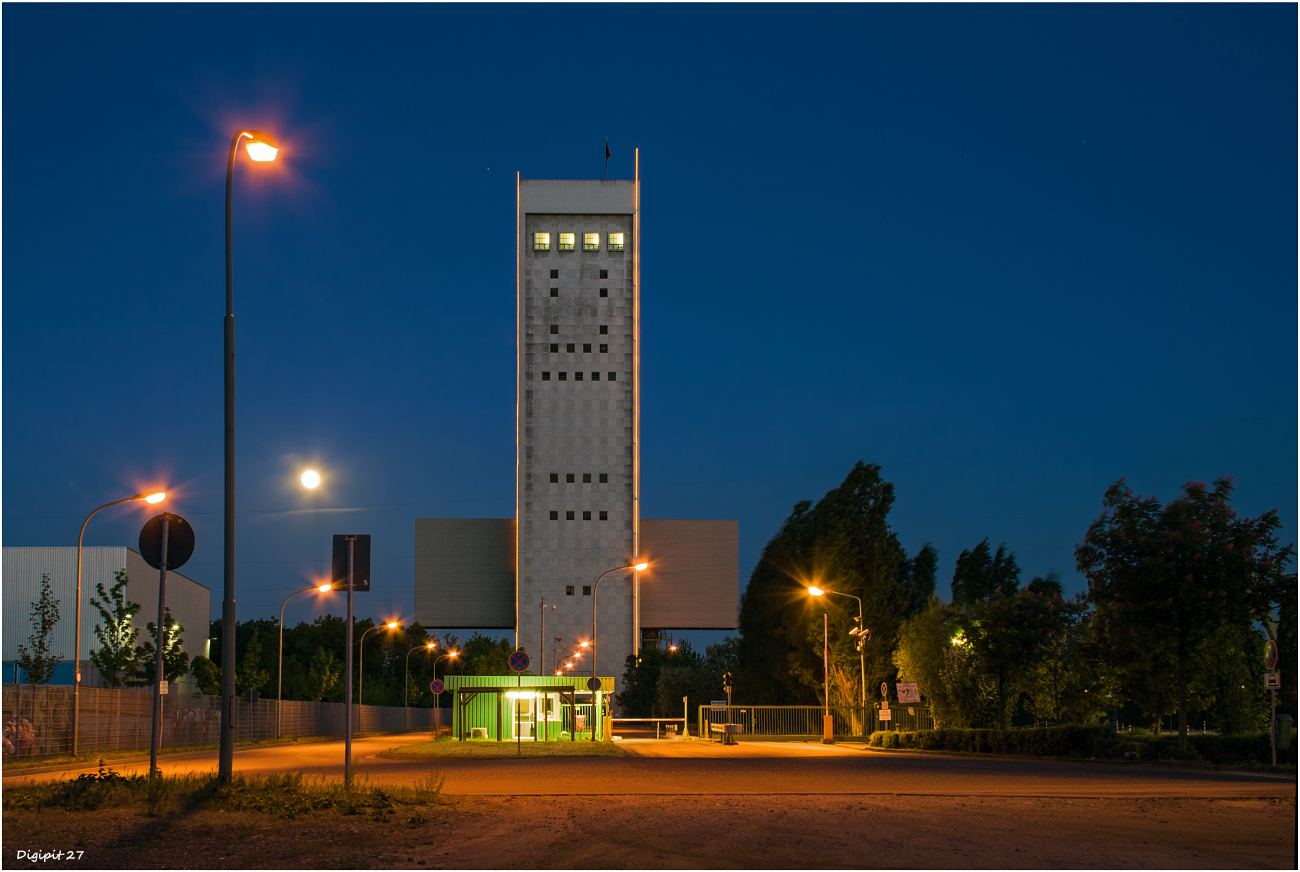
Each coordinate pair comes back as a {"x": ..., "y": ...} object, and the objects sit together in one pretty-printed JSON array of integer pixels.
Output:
[{"x": 757, "y": 768}]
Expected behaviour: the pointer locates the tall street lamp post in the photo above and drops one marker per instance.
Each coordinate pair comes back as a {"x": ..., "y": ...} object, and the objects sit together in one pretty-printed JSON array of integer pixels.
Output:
[
  {"x": 361, "y": 656},
  {"x": 279, "y": 670},
  {"x": 639, "y": 567},
  {"x": 261, "y": 147},
  {"x": 541, "y": 640},
  {"x": 428, "y": 646},
  {"x": 76, "y": 657},
  {"x": 437, "y": 703},
  {"x": 860, "y": 631}
]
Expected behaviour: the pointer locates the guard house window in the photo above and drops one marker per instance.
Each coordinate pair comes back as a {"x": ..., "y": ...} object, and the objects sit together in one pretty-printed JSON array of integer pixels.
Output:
[
  {"x": 604, "y": 349},
  {"x": 555, "y": 478},
  {"x": 595, "y": 376},
  {"x": 546, "y": 376},
  {"x": 586, "y": 516},
  {"x": 591, "y": 242},
  {"x": 604, "y": 478},
  {"x": 555, "y": 516},
  {"x": 568, "y": 516},
  {"x": 604, "y": 516},
  {"x": 604, "y": 274},
  {"x": 555, "y": 292},
  {"x": 604, "y": 328},
  {"x": 555, "y": 347},
  {"x": 613, "y": 376},
  {"x": 566, "y": 241},
  {"x": 564, "y": 376},
  {"x": 569, "y": 477},
  {"x": 615, "y": 241},
  {"x": 555, "y": 329},
  {"x": 569, "y": 348},
  {"x": 568, "y": 590},
  {"x": 541, "y": 242},
  {"x": 604, "y": 292},
  {"x": 586, "y": 478},
  {"x": 586, "y": 590},
  {"x": 586, "y": 348},
  {"x": 555, "y": 273}
]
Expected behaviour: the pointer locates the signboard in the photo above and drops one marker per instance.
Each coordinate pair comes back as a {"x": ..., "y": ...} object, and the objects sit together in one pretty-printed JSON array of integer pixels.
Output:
[
  {"x": 884, "y": 690},
  {"x": 518, "y": 661},
  {"x": 1273, "y": 681},
  {"x": 717, "y": 703},
  {"x": 1270, "y": 655},
  {"x": 436, "y": 686},
  {"x": 593, "y": 683},
  {"x": 886, "y": 715},
  {"x": 162, "y": 686},
  {"x": 360, "y": 562},
  {"x": 180, "y": 541},
  {"x": 907, "y": 691}
]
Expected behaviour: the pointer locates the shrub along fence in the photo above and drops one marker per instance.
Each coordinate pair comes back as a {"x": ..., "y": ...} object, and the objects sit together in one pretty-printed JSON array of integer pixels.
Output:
[
  {"x": 806, "y": 721},
  {"x": 38, "y": 720},
  {"x": 1099, "y": 742}
]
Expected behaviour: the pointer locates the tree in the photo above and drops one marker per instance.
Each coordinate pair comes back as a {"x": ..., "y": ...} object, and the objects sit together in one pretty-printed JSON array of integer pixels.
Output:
[
  {"x": 484, "y": 655},
  {"x": 207, "y": 675},
  {"x": 1166, "y": 578},
  {"x": 115, "y": 655},
  {"x": 37, "y": 662},
  {"x": 175, "y": 661},
  {"x": 322, "y": 675},
  {"x": 250, "y": 675},
  {"x": 978, "y": 576}
]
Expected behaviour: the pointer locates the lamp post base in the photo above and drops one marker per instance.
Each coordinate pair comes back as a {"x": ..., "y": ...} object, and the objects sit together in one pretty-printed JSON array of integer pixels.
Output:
[{"x": 828, "y": 729}]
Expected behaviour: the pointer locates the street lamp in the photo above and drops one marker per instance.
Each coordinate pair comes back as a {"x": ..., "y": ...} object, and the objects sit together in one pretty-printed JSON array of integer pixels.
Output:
[
  {"x": 437, "y": 706},
  {"x": 860, "y": 631},
  {"x": 639, "y": 567},
  {"x": 156, "y": 497},
  {"x": 428, "y": 646},
  {"x": 391, "y": 625},
  {"x": 279, "y": 670},
  {"x": 261, "y": 147}
]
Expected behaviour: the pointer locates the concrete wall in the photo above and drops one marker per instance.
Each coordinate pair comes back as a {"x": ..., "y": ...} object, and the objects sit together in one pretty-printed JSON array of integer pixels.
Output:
[{"x": 465, "y": 573}]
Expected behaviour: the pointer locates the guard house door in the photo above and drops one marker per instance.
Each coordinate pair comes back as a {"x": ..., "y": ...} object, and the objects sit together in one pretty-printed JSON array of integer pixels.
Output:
[{"x": 525, "y": 713}]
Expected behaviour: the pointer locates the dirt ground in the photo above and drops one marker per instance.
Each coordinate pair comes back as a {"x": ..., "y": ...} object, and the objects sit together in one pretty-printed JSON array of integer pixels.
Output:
[{"x": 658, "y": 832}]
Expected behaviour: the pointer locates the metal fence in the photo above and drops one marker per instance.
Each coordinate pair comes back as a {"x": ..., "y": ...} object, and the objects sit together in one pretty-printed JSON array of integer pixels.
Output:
[
  {"x": 38, "y": 720},
  {"x": 805, "y": 721}
]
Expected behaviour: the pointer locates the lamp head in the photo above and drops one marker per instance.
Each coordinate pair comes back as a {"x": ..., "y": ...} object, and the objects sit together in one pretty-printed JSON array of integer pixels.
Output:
[
  {"x": 155, "y": 497},
  {"x": 325, "y": 588},
  {"x": 816, "y": 591},
  {"x": 641, "y": 567},
  {"x": 261, "y": 146},
  {"x": 584, "y": 644},
  {"x": 430, "y": 645},
  {"x": 392, "y": 625}
]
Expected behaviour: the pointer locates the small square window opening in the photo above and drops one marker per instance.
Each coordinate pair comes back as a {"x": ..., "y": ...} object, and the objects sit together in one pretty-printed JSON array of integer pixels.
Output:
[
  {"x": 604, "y": 328},
  {"x": 568, "y": 476},
  {"x": 595, "y": 376},
  {"x": 613, "y": 376},
  {"x": 546, "y": 376},
  {"x": 586, "y": 478},
  {"x": 615, "y": 241},
  {"x": 555, "y": 347},
  {"x": 566, "y": 242},
  {"x": 577, "y": 376},
  {"x": 586, "y": 516},
  {"x": 555, "y": 273},
  {"x": 604, "y": 274},
  {"x": 569, "y": 347},
  {"x": 604, "y": 292},
  {"x": 555, "y": 516},
  {"x": 568, "y": 590},
  {"x": 586, "y": 590},
  {"x": 604, "y": 516},
  {"x": 555, "y": 292},
  {"x": 555, "y": 478},
  {"x": 604, "y": 349},
  {"x": 591, "y": 242},
  {"x": 568, "y": 516},
  {"x": 586, "y": 348},
  {"x": 563, "y": 376},
  {"x": 604, "y": 478},
  {"x": 555, "y": 329}
]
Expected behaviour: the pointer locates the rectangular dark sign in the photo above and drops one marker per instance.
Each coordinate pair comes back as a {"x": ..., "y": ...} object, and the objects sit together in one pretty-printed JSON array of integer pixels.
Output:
[{"x": 360, "y": 562}]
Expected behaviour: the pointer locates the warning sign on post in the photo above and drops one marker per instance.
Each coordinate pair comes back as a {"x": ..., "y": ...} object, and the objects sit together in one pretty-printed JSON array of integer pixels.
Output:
[{"x": 907, "y": 692}]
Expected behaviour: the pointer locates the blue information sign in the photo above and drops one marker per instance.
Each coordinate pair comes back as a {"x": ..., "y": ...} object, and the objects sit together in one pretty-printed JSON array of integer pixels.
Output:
[
  {"x": 436, "y": 686},
  {"x": 518, "y": 661}
]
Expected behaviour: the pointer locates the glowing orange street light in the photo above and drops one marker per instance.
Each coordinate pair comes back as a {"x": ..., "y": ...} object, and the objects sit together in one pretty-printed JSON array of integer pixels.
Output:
[
  {"x": 391, "y": 625},
  {"x": 151, "y": 497},
  {"x": 427, "y": 646},
  {"x": 279, "y": 671},
  {"x": 860, "y": 631}
]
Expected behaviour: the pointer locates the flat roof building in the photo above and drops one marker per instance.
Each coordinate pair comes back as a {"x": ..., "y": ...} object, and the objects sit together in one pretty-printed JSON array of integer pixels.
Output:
[{"x": 578, "y": 468}]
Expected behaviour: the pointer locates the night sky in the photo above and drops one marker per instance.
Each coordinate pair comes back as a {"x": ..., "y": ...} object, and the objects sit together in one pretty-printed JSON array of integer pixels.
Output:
[{"x": 1009, "y": 253}]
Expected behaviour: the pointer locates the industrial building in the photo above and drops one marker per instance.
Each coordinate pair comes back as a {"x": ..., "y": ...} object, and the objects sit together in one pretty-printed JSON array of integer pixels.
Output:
[
  {"x": 188, "y": 601},
  {"x": 578, "y": 467}
]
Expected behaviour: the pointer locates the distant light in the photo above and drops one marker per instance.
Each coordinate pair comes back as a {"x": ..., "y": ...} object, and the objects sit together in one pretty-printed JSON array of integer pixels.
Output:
[
  {"x": 156, "y": 498},
  {"x": 392, "y": 625},
  {"x": 310, "y": 478},
  {"x": 430, "y": 645},
  {"x": 584, "y": 644},
  {"x": 325, "y": 588},
  {"x": 641, "y": 567},
  {"x": 672, "y": 647},
  {"x": 816, "y": 591},
  {"x": 453, "y": 653}
]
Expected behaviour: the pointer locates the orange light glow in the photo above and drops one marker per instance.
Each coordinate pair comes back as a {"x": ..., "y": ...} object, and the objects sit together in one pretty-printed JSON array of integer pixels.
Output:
[
  {"x": 816, "y": 591},
  {"x": 641, "y": 567},
  {"x": 156, "y": 497},
  {"x": 325, "y": 588},
  {"x": 392, "y": 625},
  {"x": 430, "y": 645},
  {"x": 584, "y": 644},
  {"x": 260, "y": 151}
]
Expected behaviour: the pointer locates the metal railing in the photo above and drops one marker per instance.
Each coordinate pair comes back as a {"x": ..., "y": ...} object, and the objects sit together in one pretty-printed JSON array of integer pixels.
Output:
[
  {"x": 806, "y": 721},
  {"x": 37, "y": 720}
]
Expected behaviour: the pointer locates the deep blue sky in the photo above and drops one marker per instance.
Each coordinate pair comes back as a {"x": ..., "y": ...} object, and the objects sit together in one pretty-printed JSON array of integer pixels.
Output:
[{"x": 1010, "y": 253}]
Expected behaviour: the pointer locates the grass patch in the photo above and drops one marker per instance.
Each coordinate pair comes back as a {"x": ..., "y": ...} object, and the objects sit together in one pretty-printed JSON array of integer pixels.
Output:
[
  {"x": 287, "y": 795},
  {"x": 486, "y": 748}
]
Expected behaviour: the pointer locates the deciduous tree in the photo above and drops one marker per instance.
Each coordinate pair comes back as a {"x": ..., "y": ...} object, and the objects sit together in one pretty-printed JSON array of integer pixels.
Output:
[{"x": 37, "y": 662}]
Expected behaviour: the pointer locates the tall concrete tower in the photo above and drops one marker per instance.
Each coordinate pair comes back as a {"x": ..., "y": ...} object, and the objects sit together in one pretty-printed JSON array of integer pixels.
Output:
[{"x": 578, "y": 416}]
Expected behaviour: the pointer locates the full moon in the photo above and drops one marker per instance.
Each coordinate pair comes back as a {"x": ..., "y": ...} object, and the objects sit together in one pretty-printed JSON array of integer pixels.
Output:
[{"x": 310, "y": 478}]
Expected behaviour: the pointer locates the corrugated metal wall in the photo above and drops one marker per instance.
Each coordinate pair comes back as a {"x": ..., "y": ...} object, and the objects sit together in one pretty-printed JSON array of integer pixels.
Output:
[
  {"x": 487, "y": 710},
  {"x": 465, "y": 572},
  {"x": 190, "y": 602},
  {"x": 694, "y": 577}
]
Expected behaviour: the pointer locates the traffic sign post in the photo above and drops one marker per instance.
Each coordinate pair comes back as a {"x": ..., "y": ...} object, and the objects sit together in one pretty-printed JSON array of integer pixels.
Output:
[
  {"x": 166, "y": 542},
  {"x": 436, "y": 686},
  {"x": 351, "y": 567},
  {"x": 518, "y": 663}
]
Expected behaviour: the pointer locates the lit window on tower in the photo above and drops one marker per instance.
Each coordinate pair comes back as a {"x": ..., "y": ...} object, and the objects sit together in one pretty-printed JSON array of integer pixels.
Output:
[
  {"x": 615, "y": 242},
  {"x": 591, "y": 242},
  {"x": 541, "y": 242},
  {"x": 566, "y": 241}
]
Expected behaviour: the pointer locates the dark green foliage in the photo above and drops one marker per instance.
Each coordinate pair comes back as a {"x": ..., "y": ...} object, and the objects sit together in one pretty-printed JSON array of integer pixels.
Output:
[
  {"x": 979, "y": 576},
  {"x": 844, "y": 544},
  {"x": 175, "y": 661},
  {"x": 1287, "y": 622},
  {"x": 655, "y": 682},
  {"x": 36, "y": 662},
  {"x": 1067, "y": 741},
  {"x": 249, "y": 674},
  {"x": 1165, "y": 579},
  {"x": 115, "y": 655},
  {"x": 483, "y": 655},
  {"x": 323, "y": 675},
  {"x": 207, "y": 674}
]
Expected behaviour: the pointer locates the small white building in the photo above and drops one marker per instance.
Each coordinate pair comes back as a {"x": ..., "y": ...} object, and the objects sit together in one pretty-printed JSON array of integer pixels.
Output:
[{"x": 190, "y": 604}]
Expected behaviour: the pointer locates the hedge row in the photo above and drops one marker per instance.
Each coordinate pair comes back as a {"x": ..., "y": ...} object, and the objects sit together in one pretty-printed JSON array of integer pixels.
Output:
[{"x": 1100, "y": 743}]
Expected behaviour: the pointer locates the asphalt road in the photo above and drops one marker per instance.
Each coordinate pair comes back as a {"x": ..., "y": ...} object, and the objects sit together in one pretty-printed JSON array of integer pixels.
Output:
[{"x": 684, "y": 768}]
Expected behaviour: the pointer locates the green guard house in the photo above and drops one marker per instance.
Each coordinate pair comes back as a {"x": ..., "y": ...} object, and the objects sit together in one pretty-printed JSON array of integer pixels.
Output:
[{"x": 530, "y": 708}]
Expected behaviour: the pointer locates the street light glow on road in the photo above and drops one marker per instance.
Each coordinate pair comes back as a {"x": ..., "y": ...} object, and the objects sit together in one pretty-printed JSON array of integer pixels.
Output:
[{"x": 310, "y": 478}]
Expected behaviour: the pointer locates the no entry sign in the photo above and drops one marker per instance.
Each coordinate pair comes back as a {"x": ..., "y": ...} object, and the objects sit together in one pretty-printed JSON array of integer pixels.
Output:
[
  {"x": 436, "y": 686},
  {"x": 518, "y": 661}
]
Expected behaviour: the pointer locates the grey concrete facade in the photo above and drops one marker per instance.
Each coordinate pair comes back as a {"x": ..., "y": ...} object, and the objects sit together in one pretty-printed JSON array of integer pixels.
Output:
[
  {"x": 577, "y": 415},
  {"x": 465, "y": 573}
]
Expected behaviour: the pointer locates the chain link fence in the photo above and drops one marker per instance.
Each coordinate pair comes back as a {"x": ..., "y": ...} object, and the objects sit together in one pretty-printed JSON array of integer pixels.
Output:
[
  {"x": 38, "y": 720},
  {"x": 806, "y": 721}
]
